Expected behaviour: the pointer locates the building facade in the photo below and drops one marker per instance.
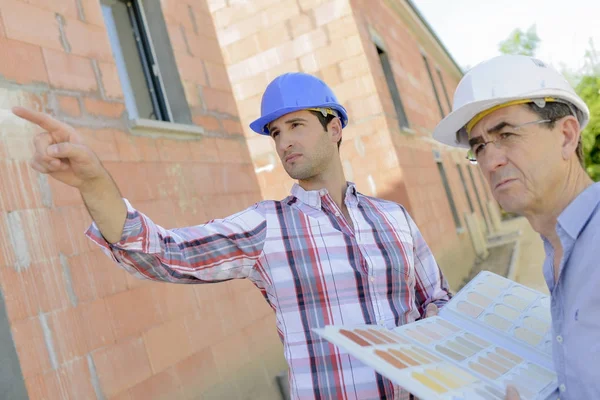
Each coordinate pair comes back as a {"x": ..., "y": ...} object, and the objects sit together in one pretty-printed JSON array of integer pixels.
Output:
[{"x": 163, "y": 91}]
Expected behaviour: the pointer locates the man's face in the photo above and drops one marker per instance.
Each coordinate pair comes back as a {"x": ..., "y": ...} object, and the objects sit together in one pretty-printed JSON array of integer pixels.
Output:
[
  {"x": 304, "y": 147},
  {"x": 524, "y": 170}
]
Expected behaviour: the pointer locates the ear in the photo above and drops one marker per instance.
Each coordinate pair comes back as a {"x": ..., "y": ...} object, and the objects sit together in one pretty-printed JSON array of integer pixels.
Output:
[
  {"x": 335, "y": 129},
  {"x": 571, "y": 133}
]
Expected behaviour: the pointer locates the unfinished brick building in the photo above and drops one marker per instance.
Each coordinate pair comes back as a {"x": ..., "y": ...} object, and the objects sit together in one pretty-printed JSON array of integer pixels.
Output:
[{"x": 164, "y": 90}]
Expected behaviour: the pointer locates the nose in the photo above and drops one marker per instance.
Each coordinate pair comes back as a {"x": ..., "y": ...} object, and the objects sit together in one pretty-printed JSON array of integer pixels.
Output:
[
  {"x": 284, "y": 141},
  {"x": 492, "y": 158}
]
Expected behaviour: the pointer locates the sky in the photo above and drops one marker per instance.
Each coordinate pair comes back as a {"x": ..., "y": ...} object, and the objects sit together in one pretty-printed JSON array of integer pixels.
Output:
[{"x": 472, "y": 29}]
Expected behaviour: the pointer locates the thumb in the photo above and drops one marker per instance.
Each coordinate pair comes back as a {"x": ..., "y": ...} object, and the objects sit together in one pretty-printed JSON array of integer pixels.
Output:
[{"x": 431, "y": 310}]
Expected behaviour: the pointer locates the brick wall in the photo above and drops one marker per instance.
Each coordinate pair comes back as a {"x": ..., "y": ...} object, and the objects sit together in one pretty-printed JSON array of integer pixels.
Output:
[{"x": 82, "y": 327}]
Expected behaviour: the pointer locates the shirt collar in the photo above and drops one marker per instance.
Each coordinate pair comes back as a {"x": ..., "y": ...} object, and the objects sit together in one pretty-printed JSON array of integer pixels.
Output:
[
  {"x": 574, "y": 218},
  {"x": 312, "y": 198}
]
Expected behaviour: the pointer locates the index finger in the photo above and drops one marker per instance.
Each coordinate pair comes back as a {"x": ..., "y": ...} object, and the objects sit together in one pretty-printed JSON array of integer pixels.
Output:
[{"x": 41, "y": 119}]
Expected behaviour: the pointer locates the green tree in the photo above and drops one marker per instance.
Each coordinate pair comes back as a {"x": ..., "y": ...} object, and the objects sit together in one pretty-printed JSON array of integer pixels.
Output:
[
  {"x": 589, "y": 90},
  {"x": 519, "y": 42}
]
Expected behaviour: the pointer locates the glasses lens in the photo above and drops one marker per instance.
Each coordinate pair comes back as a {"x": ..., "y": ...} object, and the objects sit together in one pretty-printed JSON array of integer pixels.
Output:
[{"x": 471, "y": 156}]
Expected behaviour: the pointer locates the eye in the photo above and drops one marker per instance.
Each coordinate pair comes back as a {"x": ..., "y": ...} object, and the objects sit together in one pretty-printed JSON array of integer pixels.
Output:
[
  {"x": 295, "y": 124},
  {"x": 505, "y": 135},
  {"x": 274, "y": 134},
  {"x": 478, "y": 147}
]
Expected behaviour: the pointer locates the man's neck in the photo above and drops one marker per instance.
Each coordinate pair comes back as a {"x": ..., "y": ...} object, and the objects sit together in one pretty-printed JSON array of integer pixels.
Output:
[
  {"x": 333, "y": 180},
  {"x": 543, "y": 219}
]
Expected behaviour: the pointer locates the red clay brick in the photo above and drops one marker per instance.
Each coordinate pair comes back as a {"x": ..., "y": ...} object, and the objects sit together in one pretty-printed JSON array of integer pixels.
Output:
[
  {"x": 205, "y": 48},
  {"x": 31, "y": 24},
  {"x": 68, "y": 338},
  {"x": 162, "y": 386},
  {"x": 63, "y": 7},
  {"x": 52, "y": 293},
  {"x": 67, "y": 71},
  {"x": 231, "y": 353},
  {"x": 219, "y": 100},
  {"x": 133, "y": 179},
  {"x": 197, "y": 373},
  {"x": 191, "y": 69},
  {"x": 69, "y": 105},
  {"x": 19, "y": 291},
  {"x": 31, "y": 347},
  {"x": 80, "y": 35},
  {"x": 79, "y": 220},
  {"x": 102, "y": 142},
  {"x": 92, "y": 12},
  {"x": 233, "y": 151},
  {"x": 101, "y": 108},
  {"x": 208, "y": 122},
  {"x": 147, "y": 147},
  {"x": 94, "y": 276},
  {"x": 36, "y": 224},
  {"x": 126, "y": 146},
  {"x": 2, "y": 30},
  {"x": 202, "y": 334},
  {"x": 122, "y": 366},
  {"x": 233, "y": 127},
  {"x": 22, "y": 62},
  {"x": 133, "y": 311},
  {"x": 71, "y": 381},
  {"x": 160, "y": 346},
  {"x": 96, "y": 330},
  {"x": 25, "y": 192},
  {"x": 173, "y": 150},
  {"x": 124, "y": 395},
  {"x": 205, "y": 150},
  {"x": 176, "y": 300},
  {"x": 110, "y": 80},
  {"x": 217, "y": 76}
]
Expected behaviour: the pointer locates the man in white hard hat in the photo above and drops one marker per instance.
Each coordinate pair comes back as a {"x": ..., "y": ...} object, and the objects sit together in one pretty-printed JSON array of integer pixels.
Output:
[
  {"x": 325, "y": 255},
  {"x": 521, "y": 122}
]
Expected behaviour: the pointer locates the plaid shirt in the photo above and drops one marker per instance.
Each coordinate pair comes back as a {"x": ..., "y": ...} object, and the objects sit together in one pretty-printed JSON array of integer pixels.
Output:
[{"x": 312, "y": 268}]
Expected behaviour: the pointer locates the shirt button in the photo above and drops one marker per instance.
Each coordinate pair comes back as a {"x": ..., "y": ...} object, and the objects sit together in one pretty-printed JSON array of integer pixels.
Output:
[
  {"x": 372, "y": 279},
  {"x": 559, "y": 339},
  {"x": 337, "y": 214},
  {"x": 562, "y": 388},
  {"x": 382, "y": 322},
  {"x": 322, "y": 192}
]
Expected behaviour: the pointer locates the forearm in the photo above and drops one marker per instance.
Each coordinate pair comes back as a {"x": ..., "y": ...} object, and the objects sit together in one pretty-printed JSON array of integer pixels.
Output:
[{"x": 106, "y": 207}]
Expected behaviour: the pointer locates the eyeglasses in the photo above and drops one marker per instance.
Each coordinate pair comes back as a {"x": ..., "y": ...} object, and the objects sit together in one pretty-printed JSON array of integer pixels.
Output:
[{"x": 502, "y": 139}]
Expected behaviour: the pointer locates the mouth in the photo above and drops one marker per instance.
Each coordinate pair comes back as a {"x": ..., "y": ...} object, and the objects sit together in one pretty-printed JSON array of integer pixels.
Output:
[
  {"x": 504, "y": 183},
  {"x": 292, "y": 157}
]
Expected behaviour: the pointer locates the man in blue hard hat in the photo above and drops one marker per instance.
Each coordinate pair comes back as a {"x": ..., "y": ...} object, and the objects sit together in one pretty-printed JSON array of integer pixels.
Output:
[{"x": 326, "y": 254}]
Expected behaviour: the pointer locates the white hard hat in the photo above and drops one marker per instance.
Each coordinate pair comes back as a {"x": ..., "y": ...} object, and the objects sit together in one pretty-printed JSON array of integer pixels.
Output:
[{"x": 501, "y": 81}]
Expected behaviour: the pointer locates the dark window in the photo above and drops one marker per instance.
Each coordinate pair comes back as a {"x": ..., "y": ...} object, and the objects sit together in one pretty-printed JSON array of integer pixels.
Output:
[
  {"x": 477, "y": 196},
  {"x": 142, "y": 49},
  {"x": 449, "y": 195},
  {"x": 437, "y": 97},
  {"x": 444, "y": 89},
  {"x": 464, "y": 183},
  {"x": 393, "y": 88}
]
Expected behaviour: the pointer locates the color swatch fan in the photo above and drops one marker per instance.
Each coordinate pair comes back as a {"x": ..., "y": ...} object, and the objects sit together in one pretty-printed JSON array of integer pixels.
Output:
[{"x": 493, "y": 333}]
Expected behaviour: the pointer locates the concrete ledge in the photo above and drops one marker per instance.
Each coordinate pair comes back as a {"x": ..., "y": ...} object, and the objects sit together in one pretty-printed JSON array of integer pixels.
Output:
[{"x": 155, "y": 128}]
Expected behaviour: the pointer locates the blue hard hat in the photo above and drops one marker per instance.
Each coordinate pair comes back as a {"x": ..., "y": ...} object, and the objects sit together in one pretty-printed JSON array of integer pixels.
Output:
[{"x": 295, "y": 91}]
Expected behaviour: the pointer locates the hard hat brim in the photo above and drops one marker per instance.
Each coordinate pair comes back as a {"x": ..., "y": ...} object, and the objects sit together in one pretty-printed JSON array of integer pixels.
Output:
[
  {"x": 259, "y": 125},
  {"x": 446, "y": 131}
]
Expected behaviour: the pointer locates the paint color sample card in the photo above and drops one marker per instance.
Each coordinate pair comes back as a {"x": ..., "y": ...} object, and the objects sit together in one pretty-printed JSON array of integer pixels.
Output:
[
  {"x": 507, "y": 308},
  {"x": 460, "y": 354}
]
